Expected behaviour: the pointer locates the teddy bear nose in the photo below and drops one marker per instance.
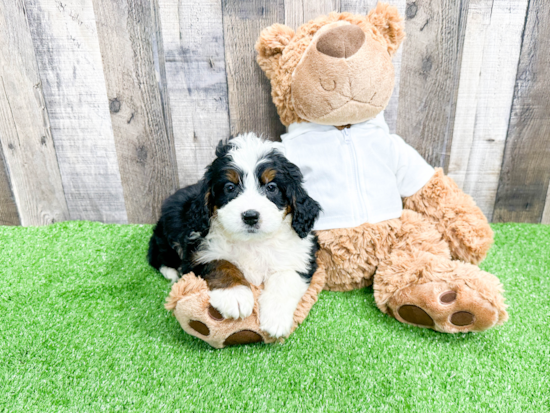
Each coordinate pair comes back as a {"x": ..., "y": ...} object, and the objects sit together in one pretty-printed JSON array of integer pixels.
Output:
[{"x": 342, "y": 41}]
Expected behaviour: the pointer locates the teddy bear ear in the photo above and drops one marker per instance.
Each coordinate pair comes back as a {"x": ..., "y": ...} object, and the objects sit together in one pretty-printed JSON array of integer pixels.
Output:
[
  {"x": 387, "y": 20},
  {"x": 270, "y": 46}
]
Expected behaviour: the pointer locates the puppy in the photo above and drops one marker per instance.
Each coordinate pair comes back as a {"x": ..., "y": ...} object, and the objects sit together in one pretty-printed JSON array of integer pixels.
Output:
[{"x": 248, "y": 221}]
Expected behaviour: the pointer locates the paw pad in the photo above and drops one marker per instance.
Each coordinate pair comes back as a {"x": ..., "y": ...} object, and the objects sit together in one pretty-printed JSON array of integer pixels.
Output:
[
  {"x": 462, "y": 318},
  {"x": 199, "y": 327},
  {"x": 215, "y": 314},
  {"x": 243, "y": 337},
  {"x": 447, "y": 297},
  {"x": 415, "y": 315}
]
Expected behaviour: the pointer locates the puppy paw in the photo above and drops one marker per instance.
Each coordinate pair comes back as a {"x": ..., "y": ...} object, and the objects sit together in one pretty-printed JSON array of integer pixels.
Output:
[
  {"x": 275, "y": 323},
  {"x": 236, "y": 302},
  {"x": 170, "y": 274}
]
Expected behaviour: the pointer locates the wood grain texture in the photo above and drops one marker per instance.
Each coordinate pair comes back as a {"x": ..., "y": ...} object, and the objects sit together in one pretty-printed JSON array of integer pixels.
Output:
[
  {"x": 29, "y": 153},
  {"x": 429, "y": 75},
  {"x": 298, "y": 12},
  {"x": 143, "y": 143},
  {"x": 67, "y": 50},
  {"x": 493, "y": 101},
  {"x": 546, "y": 213},
  {"x": 160, "y": 73},
  {"x": 8, "y": 209},
  {"x": 479, "y": 19},
  {"x": 250, "y": 105},
  {"x": 192, "y": 34},
  {"x": 525, "y": 174},
  {"x": 363, "y": 7}
]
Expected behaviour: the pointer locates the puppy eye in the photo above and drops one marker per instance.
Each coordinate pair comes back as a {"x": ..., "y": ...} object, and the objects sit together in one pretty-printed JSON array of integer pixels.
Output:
[
  {"x": 229, "y": 188},
  {"x": 271, "y": 187}
]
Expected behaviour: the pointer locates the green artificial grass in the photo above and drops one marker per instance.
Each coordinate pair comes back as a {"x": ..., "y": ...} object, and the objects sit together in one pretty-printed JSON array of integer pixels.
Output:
[{"x": 83, "y": 329}]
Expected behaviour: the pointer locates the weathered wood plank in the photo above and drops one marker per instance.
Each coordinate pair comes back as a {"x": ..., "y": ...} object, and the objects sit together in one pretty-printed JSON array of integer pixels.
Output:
[
  {"x": 69, "y": 61},
  {"x": 250, "y": 105},
  {"x": 546, "y": 212},
  {"x": 143, "y": 143},
  {"x": 8, "y": 209},
  {"x": 479, "y": 19},
  {"x": 363, "y": 7},
  {"x": 525, "y": 174},
  {"x": 192, "y": 34},
  {"x": 160, "y": 72},
  {"x": 493, "y": 100},
  {"x": 29, "y": 153},
  {"x": 429, "y": 75},
  {"x": 298, "y": 12}
]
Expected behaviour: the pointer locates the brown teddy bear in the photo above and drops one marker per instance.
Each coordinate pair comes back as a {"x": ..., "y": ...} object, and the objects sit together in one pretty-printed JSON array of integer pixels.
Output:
[{"x": 389, "y": 218}]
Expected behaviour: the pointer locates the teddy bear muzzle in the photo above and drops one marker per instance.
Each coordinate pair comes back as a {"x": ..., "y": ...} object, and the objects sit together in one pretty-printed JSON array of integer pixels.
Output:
[{"x": 345, "y": 76}]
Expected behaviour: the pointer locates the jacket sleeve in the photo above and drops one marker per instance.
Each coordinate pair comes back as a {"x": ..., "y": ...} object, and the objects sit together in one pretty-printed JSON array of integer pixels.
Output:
[{"x": 412, "y": 172}]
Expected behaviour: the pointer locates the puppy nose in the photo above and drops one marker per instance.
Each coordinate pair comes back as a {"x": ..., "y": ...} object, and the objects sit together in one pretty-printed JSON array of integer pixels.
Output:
[
  {"x": 342, "y": 41},
  {"x": 251, "y": 217}
]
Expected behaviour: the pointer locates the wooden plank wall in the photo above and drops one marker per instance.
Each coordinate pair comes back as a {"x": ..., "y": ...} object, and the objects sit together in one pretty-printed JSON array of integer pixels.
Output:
[
  {"x": 107, "y": 107},
  {"x": 525, "y": 174},
  {"x": 8, "y": 209},
  {"x": 492, "y": 99},
  {"x": 142, "y": 135},
  {"x": 26, "y": 138}
]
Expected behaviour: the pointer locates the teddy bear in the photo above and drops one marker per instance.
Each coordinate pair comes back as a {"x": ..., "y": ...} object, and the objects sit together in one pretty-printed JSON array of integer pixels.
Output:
[{"x": 389, "y": 219}]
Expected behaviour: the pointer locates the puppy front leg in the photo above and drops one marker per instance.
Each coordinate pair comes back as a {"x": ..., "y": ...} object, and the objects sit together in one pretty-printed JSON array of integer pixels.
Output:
[
  {"x": 278, "y": 301},
  {"x": 169, "y": 273},
  {"x": 230, "y": 293}
]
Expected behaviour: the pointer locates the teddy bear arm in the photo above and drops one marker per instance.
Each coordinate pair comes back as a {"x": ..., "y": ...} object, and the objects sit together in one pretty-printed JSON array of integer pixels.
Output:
[{"x": 456, "y": 216}]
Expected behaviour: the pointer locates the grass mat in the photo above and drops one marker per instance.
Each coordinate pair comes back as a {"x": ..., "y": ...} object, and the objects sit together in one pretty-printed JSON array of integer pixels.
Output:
[{"x": 83, "y": 328}]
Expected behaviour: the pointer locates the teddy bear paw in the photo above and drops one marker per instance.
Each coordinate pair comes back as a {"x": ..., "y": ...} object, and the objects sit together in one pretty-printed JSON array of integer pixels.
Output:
[
  {"x": 217, "y": 330},
  {"x": 443, "y": 307}
]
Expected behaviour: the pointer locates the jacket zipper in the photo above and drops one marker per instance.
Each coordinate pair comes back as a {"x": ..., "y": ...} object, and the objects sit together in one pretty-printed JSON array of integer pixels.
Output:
[{"x": 358, "y": 180}]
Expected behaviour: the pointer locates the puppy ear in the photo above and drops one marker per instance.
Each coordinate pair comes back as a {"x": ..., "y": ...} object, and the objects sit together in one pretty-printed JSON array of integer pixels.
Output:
[
  {"x": 223, "y": 147},
  {"x": 201, "y": 208},
  {"x": 305, "y": 210},
  {"x": 387, "y": 20},
  {"x": 270, "y": 46}
]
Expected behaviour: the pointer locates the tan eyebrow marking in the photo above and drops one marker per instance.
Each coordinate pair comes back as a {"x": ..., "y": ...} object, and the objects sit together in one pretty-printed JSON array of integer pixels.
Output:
[
  {"x": 233, "y": 176},
  {"x": 268, "y": 175}
]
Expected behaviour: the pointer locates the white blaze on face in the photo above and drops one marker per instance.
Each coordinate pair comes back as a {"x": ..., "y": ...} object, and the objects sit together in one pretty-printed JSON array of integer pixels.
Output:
[{"x": 249, "y": 152}]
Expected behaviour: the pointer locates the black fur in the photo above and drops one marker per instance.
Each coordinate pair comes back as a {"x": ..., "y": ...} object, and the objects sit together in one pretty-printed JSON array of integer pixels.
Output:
[
  {"x": 305, "y": 210},
  {"x": 312, "y": 261},
  {"x": 185, "y": 215}
]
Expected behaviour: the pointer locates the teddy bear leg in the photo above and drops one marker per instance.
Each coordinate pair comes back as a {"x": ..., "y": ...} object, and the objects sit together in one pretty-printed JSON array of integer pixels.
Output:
[
  {"x": 349, "y": 256},
  {"x": 190, "y": 301},
  {"x": 426, "y": 290}
]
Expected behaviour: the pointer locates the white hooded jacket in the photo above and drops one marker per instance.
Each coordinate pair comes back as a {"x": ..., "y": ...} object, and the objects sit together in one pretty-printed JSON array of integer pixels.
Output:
[{"x": 358, "y": 174}]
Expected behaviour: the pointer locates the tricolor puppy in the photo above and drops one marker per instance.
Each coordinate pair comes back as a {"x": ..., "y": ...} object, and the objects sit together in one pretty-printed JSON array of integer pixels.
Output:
[{"x": 248, "y": 221}]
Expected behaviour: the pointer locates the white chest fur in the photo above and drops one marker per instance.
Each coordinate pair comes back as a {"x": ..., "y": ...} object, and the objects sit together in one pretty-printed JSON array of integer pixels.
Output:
[{"x": 258, "y": 258}]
